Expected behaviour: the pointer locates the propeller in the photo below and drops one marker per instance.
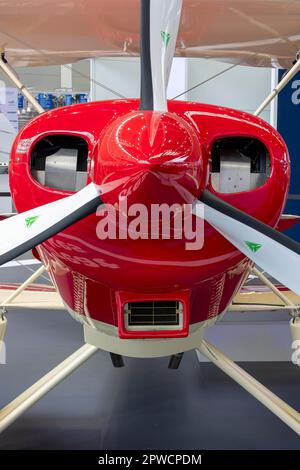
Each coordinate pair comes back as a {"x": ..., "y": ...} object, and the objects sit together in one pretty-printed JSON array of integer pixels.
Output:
[
  {"x": 159, "y": 30},
  {"x": 24, "y": 231},
  {"x": 273, "y": 251}
]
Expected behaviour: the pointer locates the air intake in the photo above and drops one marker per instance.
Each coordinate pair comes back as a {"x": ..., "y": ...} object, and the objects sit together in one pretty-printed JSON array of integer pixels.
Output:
[{"x": 153, "y": 315}]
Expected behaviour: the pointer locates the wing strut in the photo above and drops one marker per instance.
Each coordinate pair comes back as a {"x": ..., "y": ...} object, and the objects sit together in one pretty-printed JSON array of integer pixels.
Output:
[
  {"x": 13, "y": 77},
  {"x": 281, "y": 85}
]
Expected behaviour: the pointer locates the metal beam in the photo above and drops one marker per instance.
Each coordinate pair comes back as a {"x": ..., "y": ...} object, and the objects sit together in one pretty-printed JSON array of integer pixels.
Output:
[
  {"x": 11, "y": 75},
  {"x": 283, "y": 82},
  {"x": 27, "y": 399},
  {"x": 23, "y": 286},
  {"x": 280, "y": 295},
  {"x": 281, "y": 409}
]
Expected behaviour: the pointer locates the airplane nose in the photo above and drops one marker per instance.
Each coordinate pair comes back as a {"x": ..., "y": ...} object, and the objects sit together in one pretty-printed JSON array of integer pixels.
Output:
[{"x": 157, "y": 157}]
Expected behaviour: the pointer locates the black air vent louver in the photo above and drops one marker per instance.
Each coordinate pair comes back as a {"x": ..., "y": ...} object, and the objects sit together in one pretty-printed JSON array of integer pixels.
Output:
[{"x": 153, "y": 313}]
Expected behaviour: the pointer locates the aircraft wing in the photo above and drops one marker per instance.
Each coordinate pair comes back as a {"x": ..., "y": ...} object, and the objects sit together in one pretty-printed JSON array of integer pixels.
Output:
[
  {"x": 48, "y": 32},
  {"x": 252, "y": 298},
  {"x": 36, "y": 296},
  {"x": 261, "y": 298}
]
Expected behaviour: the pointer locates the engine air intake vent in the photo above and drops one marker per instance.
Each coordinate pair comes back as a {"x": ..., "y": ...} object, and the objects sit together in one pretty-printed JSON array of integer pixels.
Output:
[
  {"x": 153, "y": 315},
  {"x": 60, "y": 161},
  {"x": 239, "y": 164}
]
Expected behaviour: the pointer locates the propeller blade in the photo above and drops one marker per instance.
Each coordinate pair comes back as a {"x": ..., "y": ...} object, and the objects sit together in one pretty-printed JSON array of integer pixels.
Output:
[
  {"x": 24, "y": 231},
  {"x": 274, "y": 252},
  {"x": 159, "y": 30}
]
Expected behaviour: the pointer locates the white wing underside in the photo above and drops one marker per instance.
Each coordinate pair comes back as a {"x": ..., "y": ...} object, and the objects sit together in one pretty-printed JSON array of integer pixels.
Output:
[
  {"x": 41, "y": 297},
  {"x": 48, "y": 32},
  {"x": 35, "y": 297}
]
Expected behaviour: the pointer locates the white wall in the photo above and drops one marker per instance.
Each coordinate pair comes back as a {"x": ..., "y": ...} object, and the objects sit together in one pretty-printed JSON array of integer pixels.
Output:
[
  {"x": 241, "y": 87},
  {"x": 123, "y": 76},
  {"x": 120, "y": 74}
]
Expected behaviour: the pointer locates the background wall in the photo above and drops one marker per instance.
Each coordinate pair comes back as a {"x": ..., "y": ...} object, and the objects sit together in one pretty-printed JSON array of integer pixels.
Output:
[
  {"x": 50, "y": 78},
  {"x": 241, "y": 87},
  {"x": 123, "y": 76},
  {"x": 288, "y": 124}
]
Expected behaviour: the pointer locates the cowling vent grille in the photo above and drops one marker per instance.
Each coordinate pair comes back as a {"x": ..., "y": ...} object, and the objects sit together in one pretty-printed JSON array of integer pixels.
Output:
[{"x": 153, "y": 315}]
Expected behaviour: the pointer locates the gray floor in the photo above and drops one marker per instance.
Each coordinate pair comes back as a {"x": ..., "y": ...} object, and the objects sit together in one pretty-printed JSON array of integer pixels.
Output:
[{"x": 143, "y": 406}]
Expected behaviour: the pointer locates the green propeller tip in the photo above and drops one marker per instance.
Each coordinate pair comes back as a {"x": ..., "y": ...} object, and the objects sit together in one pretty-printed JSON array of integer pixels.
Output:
[
  {"x": 254, "y": 247},
  {"x": 30, "y": 220},
  {"x": 165, "y": 37}
]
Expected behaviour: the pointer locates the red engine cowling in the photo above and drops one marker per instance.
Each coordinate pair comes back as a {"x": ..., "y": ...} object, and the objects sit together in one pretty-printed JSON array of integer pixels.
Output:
[{"x": 155, "y": 158}]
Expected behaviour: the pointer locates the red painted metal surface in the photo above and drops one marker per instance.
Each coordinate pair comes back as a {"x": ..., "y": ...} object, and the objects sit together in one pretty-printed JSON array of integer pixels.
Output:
[
  {"x": 156, "y": 158},
  {"x": 151, "y": 150},
  {"x": 286, "y": 223}
]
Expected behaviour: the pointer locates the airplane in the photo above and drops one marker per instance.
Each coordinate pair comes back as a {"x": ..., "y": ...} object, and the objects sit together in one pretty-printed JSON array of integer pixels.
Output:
[{"x": 93, "y": 183}]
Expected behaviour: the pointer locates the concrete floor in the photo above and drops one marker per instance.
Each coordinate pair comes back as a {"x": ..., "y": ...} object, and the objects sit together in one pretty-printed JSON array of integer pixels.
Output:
[{"x": 143, "y": 406}]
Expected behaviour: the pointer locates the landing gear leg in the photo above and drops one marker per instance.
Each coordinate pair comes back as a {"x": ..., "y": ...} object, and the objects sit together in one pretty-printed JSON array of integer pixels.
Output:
[
  {"x": 277, "y": 406},
  {"x": 175, "y": 361},
  {"x": 27, "y": 399}
]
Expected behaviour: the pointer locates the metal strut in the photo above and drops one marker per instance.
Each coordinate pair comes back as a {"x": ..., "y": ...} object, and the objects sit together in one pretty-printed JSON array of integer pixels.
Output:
[
  {"x": 12, "y": 76},
  {"x": 294, "y": 309},
  {"x": 283, "y": 82},
  {"x": 281, "y": 409},
  {"x": 27, "y": 399},
  {"x": 9, "y": 301},
  {"x": 3, "y": 326}
]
